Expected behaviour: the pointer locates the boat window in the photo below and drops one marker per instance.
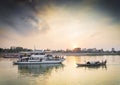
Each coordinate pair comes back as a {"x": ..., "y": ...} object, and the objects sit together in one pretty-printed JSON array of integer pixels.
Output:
[
  {"x": 42, "y": 53},
  {"x": 49, "y": 55},
  {"x": 36, "y": 53}
]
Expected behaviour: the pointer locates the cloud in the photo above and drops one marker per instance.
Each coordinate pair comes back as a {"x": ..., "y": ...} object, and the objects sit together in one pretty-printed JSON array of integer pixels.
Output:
[
  {"x": 21, "y": 16},
  {"x": 95, "y": 34},
  {"x": 110, "y": 7}
]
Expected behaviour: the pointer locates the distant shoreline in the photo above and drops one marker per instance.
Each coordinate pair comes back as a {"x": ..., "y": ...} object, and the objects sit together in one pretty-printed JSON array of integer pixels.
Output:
[
  {"x": 82, "y": 54},
  {"x": 15, "y": 55}
]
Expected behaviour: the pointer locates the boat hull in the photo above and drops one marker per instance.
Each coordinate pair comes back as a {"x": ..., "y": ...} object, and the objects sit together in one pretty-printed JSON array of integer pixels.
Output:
[
  {"x": 31, "y": 63},
  {"x": 87, "y": 65}
]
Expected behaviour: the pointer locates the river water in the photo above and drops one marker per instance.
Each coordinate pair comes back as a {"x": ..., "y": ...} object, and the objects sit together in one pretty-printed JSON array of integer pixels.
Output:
[{"x": 62, "y": 74}]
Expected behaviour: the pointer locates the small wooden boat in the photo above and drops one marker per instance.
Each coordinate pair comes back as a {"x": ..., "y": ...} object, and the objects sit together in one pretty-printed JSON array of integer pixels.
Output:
[{"x": 95, "y": 63}]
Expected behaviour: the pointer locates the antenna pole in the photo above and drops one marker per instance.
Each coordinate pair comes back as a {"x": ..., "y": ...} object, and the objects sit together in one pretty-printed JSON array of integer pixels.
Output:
[{"x": 34, "y": 47}]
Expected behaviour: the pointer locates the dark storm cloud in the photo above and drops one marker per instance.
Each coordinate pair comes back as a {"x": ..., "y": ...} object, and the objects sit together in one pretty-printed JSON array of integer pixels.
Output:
[
  {"x": 111, "y": 7},
  {"x": 17, "y": 13}
]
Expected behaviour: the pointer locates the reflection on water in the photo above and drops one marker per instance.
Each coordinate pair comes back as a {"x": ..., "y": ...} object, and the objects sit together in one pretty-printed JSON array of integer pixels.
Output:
[
  {"x": 36, "y": 70},
  {"x": 62, "y": 74}
]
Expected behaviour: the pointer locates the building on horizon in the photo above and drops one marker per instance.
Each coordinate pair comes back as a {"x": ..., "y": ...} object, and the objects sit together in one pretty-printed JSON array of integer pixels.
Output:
[{"x": 77, "y": 50}]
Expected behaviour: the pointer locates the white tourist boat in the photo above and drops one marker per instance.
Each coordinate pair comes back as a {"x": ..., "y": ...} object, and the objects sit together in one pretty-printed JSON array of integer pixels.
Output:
[{"x": 39, "y": 58}]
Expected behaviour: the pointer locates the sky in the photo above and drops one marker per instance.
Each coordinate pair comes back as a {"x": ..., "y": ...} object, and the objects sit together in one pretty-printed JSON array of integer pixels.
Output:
[{"x": 60, "y": 24}]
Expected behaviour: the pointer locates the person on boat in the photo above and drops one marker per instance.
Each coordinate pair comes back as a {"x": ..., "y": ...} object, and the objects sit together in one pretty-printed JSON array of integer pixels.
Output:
[
  {"x": 97, "y": 62},
  {"x": 105, "y": 61},
  {"x": 88, "y": 62},
  {"x": 40, "y": 59},
  {"x": 27, "y": 59},
  {"x": 20, "y": 57}
]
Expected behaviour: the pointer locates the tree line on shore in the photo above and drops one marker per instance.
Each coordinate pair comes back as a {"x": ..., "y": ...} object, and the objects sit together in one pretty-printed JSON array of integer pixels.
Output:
[{"x": 13, "y": 50}]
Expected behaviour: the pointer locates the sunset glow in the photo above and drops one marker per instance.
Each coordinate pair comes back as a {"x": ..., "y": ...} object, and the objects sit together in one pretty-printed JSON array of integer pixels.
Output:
[{"x": 61, "y": 26}]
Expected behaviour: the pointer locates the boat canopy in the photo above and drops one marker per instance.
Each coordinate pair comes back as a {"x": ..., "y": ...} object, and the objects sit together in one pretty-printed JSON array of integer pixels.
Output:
[{"x": 37, "y": 56}]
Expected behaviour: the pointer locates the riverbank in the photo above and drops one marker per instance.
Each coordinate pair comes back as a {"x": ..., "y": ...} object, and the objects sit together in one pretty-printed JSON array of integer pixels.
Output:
[
  {"x": 9, "y": 55},
  {"x": 82, "y": 54},
  {"x": 15, "y": 55}
]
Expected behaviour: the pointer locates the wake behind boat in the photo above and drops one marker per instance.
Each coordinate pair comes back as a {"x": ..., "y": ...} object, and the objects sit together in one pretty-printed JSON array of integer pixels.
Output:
[
  {"x": 39, "y": 58},
  {"x": 93, "y": 63}
]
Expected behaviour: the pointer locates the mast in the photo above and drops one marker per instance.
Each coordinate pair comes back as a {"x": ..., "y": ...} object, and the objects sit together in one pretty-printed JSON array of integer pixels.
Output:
[{"x": 34, "y": 48}]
